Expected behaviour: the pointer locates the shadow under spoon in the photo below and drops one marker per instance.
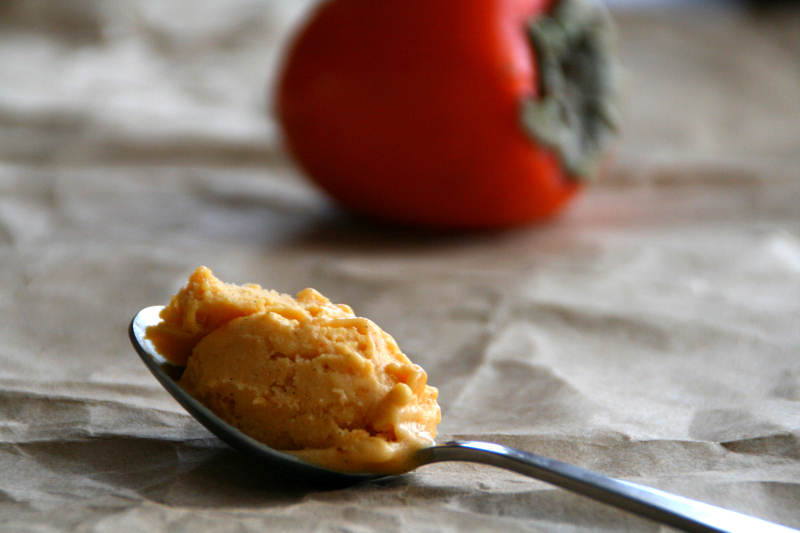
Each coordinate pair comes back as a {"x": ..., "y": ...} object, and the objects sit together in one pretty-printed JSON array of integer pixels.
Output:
[{"x": 669, "y": 509}]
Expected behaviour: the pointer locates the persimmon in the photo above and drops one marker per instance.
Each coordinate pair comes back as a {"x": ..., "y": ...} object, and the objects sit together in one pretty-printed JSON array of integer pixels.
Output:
[{"x": 450, "y": 113}]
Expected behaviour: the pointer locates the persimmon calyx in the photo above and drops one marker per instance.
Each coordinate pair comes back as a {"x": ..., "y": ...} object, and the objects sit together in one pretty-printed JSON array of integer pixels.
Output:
[{"x": 575, "y": 113}]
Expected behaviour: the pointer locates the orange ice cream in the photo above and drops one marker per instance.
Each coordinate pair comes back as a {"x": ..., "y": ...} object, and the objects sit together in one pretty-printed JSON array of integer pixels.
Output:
[{"x": 303, "y": 375}]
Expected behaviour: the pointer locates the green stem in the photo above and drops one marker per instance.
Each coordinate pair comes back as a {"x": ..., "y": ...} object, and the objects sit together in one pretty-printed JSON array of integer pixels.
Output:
[{"x": 576, "y": 111}]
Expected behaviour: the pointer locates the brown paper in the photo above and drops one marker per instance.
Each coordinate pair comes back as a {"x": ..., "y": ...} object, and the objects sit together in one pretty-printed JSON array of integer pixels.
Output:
[{"x": 651, "y": 333}]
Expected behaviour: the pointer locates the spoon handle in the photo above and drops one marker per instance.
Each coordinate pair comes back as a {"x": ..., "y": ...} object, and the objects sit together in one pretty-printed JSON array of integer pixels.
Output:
[{"x": 669, "y": 509}]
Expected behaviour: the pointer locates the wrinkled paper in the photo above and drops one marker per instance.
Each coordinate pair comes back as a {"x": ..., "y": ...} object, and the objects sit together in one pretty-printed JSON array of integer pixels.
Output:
[{"x": 651, "y": 333}]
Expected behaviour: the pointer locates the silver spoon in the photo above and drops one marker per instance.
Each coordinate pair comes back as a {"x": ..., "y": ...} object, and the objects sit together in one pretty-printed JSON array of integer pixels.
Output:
[{"x": 669, "y": 509}]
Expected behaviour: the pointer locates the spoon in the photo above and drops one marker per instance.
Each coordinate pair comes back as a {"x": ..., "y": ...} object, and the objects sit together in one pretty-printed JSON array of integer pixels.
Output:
[{"x": 669, "y": 509}]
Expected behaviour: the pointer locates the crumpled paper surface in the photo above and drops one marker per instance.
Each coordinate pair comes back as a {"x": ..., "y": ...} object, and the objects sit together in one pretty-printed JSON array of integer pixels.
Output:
[{"x": 651, "y": 333}]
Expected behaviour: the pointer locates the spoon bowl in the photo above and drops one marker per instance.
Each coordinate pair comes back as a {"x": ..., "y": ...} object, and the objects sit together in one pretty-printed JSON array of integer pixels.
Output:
[
  {"x": 669, "y": 509},
  {"x": 168, "y": 375}
]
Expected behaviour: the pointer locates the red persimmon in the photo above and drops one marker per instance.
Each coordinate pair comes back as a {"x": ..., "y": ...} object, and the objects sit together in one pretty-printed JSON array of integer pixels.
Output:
[{"x": 450, "y": 113}]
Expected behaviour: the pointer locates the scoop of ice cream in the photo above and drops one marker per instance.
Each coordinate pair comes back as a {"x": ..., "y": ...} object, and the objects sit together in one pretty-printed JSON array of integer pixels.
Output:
[{"x": 301, "y": 374}]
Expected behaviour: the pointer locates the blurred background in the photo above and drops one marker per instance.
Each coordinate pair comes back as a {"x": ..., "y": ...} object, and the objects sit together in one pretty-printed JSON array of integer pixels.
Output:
[{"x": 189, "y": 80}]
